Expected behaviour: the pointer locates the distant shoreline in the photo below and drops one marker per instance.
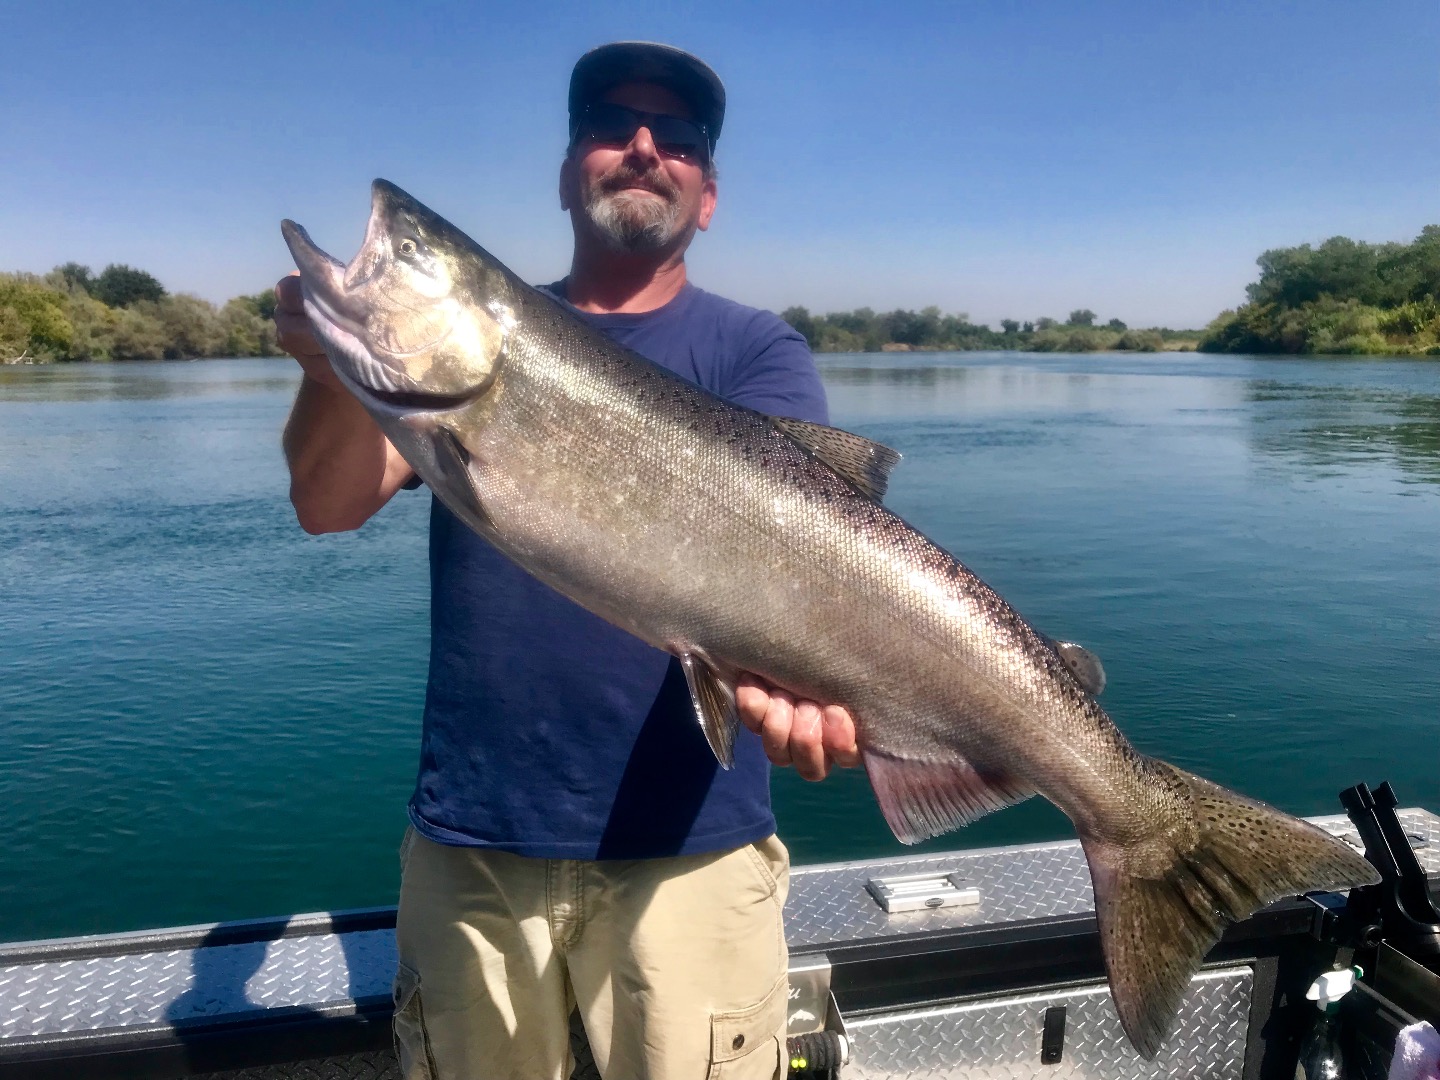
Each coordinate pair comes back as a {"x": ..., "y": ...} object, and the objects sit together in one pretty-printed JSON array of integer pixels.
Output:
[
  {"x": 900, "y": 347},
  {"x": 1341, "y": 298},
  {"x": 1169, "y": 350}
]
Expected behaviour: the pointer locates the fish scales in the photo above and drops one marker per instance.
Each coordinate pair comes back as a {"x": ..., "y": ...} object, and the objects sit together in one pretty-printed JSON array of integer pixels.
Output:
[
  {"x": 746, "y": 543},
  {"x": 819, "y": 561}
]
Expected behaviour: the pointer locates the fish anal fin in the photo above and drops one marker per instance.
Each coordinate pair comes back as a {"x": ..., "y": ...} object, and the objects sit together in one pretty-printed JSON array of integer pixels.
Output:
[
  {"x": 864, "y": 463},
  {"x": 1162, "y": 907},
  {"x": 1084, "y": 665},
  {"x": 921, "y": 799},
  {"x": 714, "y": 701}
]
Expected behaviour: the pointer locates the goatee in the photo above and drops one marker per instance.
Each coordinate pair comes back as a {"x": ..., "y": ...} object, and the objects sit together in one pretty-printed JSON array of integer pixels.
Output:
[{"x": 632, "y": 222}]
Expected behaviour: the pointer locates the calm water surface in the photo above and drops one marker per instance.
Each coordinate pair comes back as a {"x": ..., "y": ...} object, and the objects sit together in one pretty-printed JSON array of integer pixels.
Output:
[{"x": 206, "y": 714}]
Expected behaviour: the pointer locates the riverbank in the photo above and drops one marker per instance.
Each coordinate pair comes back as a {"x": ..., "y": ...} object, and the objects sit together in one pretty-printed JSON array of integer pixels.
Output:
[
  {"x": 71, "y": 314},
  {"x": 931, "y": 330},
  {"x": 1179, "y": 345}
]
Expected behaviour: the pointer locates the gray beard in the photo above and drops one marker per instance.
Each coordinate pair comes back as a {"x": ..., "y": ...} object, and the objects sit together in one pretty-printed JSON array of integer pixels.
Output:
[{"x": 633, "y": 224}]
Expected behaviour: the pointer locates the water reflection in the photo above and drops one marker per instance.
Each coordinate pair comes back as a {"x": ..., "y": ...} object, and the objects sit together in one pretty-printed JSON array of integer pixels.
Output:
[
  {"x": 1019, "y": 387},
  {"x": 1310, "y": 417},
  {"x": 1329, "y": 429},
  {"x": 145, "y": 380}
]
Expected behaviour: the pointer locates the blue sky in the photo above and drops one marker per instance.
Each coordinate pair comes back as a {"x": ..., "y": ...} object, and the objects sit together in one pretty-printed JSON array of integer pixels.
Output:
[{"x": 1000, "y": 159}]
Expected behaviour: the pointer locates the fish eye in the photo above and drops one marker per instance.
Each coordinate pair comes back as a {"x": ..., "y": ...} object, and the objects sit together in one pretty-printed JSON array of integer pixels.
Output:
[{"x": 408, "y": 246}]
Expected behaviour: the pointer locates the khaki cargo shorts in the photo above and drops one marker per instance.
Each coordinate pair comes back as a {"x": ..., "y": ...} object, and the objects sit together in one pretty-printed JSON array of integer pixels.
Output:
[{"x": 676, "y": 966}]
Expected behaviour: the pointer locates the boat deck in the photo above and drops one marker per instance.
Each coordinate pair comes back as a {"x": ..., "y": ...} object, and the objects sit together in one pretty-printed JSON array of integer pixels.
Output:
[{"x": 174, "y": 1001}]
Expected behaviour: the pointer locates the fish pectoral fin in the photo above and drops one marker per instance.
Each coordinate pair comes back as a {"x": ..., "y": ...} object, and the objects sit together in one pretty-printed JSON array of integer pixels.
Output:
[
  {"x": 864, "y": 463},
  {"x": 714, "y": 701},
  {"x": 921, "y": 799},
  {"x": 1084, "y": 665},
  {"x": 454, "y": 460}
]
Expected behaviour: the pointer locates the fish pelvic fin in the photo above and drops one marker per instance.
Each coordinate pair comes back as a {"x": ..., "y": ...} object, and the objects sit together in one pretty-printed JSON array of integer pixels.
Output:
[
  {"x": 864, "y": 463},
  {"x": 1160, "y": 911},
  {"x": 921, "y": 799},
  {"x": 714, "y": 701}
]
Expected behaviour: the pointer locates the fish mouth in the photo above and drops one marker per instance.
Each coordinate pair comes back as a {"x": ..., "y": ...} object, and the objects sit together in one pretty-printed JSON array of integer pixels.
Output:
[
  {"x": 321, "y": 274},
  {"x": 330, "y": 279},
  {"x": 327, "y": 285},
  {"x": 368, "y": 378},
  {"x": 407, "y": 401}
]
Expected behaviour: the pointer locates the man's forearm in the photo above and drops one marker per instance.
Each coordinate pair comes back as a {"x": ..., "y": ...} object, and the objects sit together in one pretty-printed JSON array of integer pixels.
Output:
[{"x": 342, "y": 468}]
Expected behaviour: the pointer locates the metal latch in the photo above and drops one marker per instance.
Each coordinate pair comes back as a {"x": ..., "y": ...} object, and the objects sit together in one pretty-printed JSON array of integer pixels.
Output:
[{"x": 916, "y": 892}]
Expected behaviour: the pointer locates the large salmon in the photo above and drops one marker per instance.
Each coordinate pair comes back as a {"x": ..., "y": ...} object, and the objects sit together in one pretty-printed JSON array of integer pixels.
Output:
[{"x": 743, "y": 542}]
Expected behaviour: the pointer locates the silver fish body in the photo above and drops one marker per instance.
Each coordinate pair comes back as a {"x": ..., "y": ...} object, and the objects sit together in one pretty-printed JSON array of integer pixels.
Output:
[{"x": 741, "y": 542}]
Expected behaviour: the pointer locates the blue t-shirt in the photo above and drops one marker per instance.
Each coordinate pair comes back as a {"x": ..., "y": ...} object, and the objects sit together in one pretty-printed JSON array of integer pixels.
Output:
[{"x": 551, "y": 733}]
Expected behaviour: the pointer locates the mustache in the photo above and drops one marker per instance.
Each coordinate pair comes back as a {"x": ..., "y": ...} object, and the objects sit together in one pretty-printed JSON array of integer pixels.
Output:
[{"x": 623, "y": 176}]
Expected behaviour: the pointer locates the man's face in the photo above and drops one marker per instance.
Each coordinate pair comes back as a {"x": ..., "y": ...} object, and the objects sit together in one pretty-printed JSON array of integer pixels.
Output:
[{"x": 634, "y": 198}]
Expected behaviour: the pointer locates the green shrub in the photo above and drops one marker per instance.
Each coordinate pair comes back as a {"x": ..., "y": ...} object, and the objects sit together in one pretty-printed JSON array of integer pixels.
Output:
[
  {"x": 1343, "y": 297},
  {"x": 1140, "y": 341},
  {"x": 35, "y": 327},
  {"x": 62, "y": 316}
]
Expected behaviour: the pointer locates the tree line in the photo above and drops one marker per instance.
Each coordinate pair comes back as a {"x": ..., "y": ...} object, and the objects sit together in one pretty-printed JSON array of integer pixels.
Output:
[
  {"x": 1344, "y": 296},
  {"x": 121, "y": 313},
  {"x": 864, "y": 330}
]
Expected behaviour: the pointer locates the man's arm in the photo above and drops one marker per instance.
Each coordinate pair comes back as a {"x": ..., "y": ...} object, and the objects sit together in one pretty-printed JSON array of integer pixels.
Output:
[{"x": 342, "y": 468}]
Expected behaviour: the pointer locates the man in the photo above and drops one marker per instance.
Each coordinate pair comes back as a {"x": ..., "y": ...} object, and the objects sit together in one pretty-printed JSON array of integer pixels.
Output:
[{"x": 574, "y": 845}]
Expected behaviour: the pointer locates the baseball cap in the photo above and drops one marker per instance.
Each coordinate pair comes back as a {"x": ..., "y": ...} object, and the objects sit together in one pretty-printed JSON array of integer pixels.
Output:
[{"x": 646, "y": 61}]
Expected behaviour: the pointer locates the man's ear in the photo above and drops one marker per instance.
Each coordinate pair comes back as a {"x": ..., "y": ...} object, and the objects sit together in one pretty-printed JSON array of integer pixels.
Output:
[
  {"x": 708, "y": 194},
  {"x": 567, "y": 180}
]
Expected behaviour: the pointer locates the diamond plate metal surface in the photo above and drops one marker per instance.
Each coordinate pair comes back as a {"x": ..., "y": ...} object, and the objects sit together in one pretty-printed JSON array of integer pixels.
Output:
[
  {"x": 192, "y": 985},
  {"x": 330, "y": 971},
  {"x": 377, "y": 1065},
  {"x": 1000, "y": 1039},
  {"x": 830, "y": 903},
  {"x": 383, "y": 1065}
]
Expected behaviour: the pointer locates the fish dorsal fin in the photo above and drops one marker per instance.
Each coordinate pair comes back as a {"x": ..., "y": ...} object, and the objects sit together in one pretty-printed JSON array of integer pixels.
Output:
[
  {"x": 864, "y": 463},
  {"x": 714, "y": 701},
  {"x": 1084, "y": 665},
  {"x": 921, "y": 799}
]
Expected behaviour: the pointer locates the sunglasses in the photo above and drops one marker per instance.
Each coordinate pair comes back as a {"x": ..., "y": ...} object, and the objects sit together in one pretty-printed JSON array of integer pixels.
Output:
[{"x": 616, "y": 125}]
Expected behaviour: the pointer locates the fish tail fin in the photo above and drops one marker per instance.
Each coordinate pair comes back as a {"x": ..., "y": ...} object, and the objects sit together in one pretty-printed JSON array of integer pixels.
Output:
[{"x": 1162, "y": 909}]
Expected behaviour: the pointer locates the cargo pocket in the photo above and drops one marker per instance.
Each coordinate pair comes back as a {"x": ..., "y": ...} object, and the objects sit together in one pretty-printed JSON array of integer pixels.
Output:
[
  {"x": 747, "y": 1044},
  {"x": 412, "y": 1045}
]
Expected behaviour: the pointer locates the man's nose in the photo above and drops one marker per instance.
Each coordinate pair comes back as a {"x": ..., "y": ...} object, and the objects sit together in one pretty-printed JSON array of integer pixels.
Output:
[{"x": 642, "y": 145}]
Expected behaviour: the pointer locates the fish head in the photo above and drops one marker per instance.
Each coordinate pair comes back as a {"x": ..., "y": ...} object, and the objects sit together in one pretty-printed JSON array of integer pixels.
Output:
[{"x": 417, "y": 321}]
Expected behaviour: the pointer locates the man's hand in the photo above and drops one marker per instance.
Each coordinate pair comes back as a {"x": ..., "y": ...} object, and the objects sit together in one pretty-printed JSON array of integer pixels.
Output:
[
  {"x": 342, "y": 468},
  {"x": 296, "y": 337},
  {"x": 801, "y": 733}
]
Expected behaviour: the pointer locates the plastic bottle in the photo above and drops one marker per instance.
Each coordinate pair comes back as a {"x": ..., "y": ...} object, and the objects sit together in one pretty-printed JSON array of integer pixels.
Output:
[{"x": 1321, "y": 1056}]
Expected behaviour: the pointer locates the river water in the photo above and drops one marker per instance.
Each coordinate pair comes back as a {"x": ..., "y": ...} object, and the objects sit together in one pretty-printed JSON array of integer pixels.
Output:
[{"x": 206, "y": 714}]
